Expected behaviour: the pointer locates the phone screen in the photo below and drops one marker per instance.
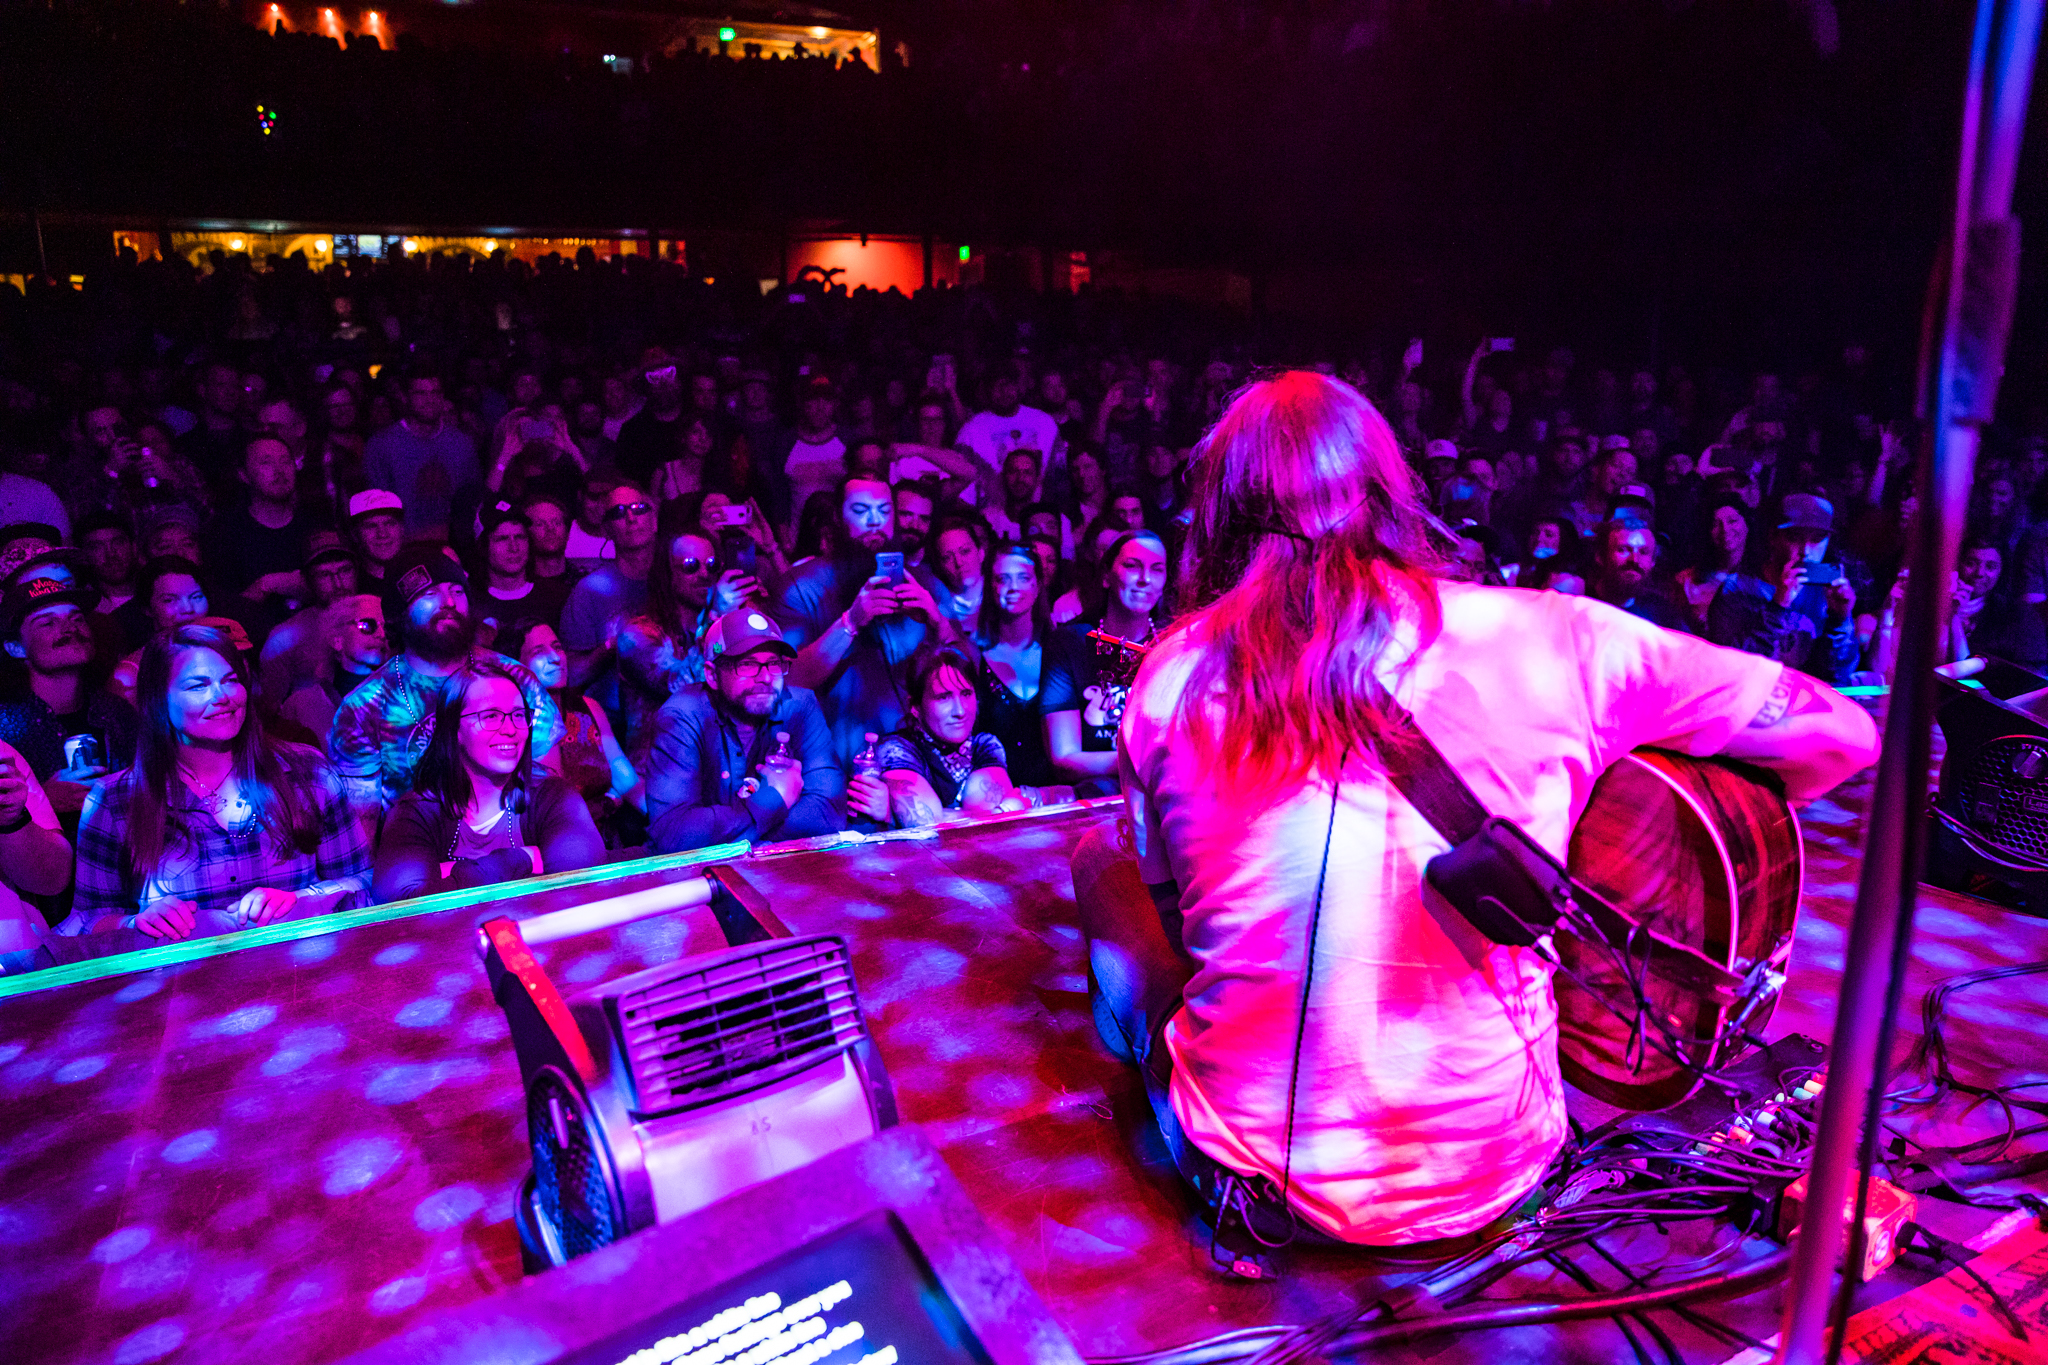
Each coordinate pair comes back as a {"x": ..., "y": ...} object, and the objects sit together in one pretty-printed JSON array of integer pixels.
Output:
[{"x": 890, "y": 562}]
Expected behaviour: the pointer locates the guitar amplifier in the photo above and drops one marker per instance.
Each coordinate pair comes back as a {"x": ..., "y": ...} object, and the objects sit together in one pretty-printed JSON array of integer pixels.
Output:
[{"x": 1988, "y": 834}]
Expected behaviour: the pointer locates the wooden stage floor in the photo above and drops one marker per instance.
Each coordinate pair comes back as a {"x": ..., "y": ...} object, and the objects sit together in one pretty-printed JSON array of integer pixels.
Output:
[{"x": 284, "y": 1154}]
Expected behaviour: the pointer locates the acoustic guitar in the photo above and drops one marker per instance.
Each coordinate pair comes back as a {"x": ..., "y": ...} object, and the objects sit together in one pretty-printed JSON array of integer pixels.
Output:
[{"x": 1703, "y": 858}]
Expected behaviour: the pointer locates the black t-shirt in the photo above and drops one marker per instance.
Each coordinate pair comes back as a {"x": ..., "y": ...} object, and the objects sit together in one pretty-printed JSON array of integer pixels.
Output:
[
  {"x": 241, "y": 549},
  {"x": 1090, "y": 677},
  {"x": 646, "y": 443}
]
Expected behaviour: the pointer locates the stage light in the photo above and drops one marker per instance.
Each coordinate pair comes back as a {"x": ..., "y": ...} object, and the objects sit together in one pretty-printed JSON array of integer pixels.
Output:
[
  {"x": 320, "y": 245},
  {"x": 965, "y": 252},
  {"x": 726, "y": 35},
  {"x": 490, "y": 247},
  {"x": 410, "y": 245},
  {"x": 235, "y": 244},
  {"x": 821, "y": 33}
]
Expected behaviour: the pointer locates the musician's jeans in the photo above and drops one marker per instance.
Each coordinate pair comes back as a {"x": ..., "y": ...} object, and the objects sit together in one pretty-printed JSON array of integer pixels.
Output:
[{"x": 1135, "y": 974}]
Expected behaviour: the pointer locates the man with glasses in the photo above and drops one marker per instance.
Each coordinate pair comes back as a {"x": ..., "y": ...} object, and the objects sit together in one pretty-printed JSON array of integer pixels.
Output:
[
  {"x": 356, "y": 647},
  {"x": 424, "y": 458},
  {"x": 383, "y": 726},
  {"x": 715, "y": 772},
  {"x": 615, "y": 589}
]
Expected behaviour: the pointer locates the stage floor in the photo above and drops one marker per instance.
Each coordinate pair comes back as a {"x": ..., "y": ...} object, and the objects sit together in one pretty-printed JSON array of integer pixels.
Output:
[{"x": 287, "y": 1153}]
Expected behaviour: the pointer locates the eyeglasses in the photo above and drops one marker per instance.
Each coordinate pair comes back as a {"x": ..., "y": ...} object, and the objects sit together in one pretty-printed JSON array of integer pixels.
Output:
[
  {"x": 619, "y": 511},
  {"x": 745, "y": 669},
  {"x": 494, "y": 719},
  {"x": 691, "y": 564}
]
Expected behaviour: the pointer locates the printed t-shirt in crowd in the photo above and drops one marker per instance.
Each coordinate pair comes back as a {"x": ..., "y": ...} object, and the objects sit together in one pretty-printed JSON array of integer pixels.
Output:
[
  {"x": 1090, "y": 677},
  {"x": 596, "y": 600},
  {"x": 991, "y": 436},
  {"x": 1429, "y": 1098},
  {"x": 382, "y": 728}
]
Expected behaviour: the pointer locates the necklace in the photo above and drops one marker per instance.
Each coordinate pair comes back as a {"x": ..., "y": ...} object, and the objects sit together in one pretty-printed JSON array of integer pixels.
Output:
[
  {"x": 498, "y": 831},
  {"x": 227, "y": 807}
]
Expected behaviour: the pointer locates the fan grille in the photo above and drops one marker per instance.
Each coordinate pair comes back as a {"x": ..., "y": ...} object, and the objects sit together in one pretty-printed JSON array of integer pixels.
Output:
[
  {"x": 745, "y": 1021},
  {"x": 571, "y": 1181},
  {"x": 2009, "y": 808}
]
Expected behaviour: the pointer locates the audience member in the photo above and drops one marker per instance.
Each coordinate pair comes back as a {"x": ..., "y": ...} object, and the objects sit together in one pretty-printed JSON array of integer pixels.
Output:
[
  {"x": 377, "y": 516},
  {"x": 70, "y": 732},
  {"x": 478, "y": 814},
  {"x": 382, "y": 727},
  {"x": 35, "y": 857},
  {"x": 743, "y": 755},
  {"x": 1624, "y": 557},
  {"x": 939, "y": 761},
  {"x": 354, "y": 646},
  {"x": 1087, "y": 680},
  {"x": 212, "y": 826},
  {"x": 589, "y": 757},
  {"x": 854, "y": 630},
  {"x": 425, "y": 458},
  {"x": 615, "y": 590},
  {"x": 1014, "y": 635},
  {"x": 296, "y": 649},
  {"x": 1799, "y": 612},
  {"x": 510, "y": 590}
]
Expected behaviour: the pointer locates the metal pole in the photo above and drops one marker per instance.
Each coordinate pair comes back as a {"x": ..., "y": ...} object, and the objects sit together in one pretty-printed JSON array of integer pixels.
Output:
[{"x": 1976, "y": 319}]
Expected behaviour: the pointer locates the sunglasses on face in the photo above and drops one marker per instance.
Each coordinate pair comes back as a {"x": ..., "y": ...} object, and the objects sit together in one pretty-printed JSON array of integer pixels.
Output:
[
  {"x": 620, "y": 510},
  {"x": 369, "y": 625},
  {"x": 692, "y": 565}
]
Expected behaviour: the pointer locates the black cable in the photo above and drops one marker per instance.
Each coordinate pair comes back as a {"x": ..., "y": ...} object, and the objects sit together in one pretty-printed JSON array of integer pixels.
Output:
[
  {"x": 1731, "y": 1284},
  {"x": 1587, "y": 1283}
]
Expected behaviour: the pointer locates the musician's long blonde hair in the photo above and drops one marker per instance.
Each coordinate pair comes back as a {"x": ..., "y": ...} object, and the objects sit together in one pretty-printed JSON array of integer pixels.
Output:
[{"x": 1310, "y": 540}]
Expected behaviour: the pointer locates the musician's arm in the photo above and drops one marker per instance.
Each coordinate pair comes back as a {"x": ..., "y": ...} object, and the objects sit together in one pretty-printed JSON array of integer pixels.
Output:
[{"x": 1807, "y": 733}]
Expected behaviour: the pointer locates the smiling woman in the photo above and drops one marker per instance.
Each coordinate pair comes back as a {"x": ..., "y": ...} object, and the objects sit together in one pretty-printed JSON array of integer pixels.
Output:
[
  {"x": 214, "y": 827},
  {"x": 478, "y": 814}
]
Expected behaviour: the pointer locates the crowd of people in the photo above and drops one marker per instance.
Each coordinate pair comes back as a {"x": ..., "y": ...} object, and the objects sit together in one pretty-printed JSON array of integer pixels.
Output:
[{"x": 322, "y": 589}]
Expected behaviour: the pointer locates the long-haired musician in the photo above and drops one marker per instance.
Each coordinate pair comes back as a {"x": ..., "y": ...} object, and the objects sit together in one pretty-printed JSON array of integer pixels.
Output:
[{"x": 1412, "y": 1093}]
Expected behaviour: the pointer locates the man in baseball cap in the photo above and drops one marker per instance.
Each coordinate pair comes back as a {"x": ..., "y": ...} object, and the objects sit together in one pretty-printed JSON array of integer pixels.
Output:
[
  {"x": 1802, "y": 610},
  {"x": 377, "y": 516},
  {"x": 742, "y": 755},
  {"x": 382, "y": 727}
]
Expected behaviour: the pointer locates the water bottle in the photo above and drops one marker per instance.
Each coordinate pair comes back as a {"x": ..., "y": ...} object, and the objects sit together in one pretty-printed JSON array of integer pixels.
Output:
[{"x": 868, "y": 762}]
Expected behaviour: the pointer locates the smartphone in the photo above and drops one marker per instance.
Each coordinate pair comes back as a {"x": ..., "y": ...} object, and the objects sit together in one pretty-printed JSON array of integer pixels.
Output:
[
  {"x": 1822, "y": 574},
  {"x": 890, "y": 562},
  {"x": 1501, "y": 344},
  {"x": 736, "y": 549},
  {"x": 535, "y": 429},
  {"x": 732, "y": 514}
]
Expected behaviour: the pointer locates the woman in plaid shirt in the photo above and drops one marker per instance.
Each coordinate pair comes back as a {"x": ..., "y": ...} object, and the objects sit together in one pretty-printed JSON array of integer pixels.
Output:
[{"x": 215, "y": 826}]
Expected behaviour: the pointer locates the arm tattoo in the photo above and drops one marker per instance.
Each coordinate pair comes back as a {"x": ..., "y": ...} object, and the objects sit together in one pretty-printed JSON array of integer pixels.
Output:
[
  {"x": 1776, "y": 705},
  {"x": 1795, "y": 695}
]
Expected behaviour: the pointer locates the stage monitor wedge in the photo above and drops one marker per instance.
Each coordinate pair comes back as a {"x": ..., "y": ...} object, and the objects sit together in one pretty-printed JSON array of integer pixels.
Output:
[{"x": 872, "y": 1253}]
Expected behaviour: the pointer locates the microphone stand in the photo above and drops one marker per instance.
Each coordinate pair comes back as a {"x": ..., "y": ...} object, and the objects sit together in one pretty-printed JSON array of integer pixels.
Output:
[{"x": 1968, "y": 319}]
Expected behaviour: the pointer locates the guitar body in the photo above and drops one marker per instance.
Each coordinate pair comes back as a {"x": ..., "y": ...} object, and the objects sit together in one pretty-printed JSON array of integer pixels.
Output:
[{"x": 1706, "y": 853}]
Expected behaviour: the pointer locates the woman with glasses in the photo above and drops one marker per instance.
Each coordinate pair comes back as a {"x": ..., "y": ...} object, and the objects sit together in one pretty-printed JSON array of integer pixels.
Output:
[
  {"x": 478, "y": 814},
  {"x": 1015, "y": 627},
  {"x": 215, "y": 826}
]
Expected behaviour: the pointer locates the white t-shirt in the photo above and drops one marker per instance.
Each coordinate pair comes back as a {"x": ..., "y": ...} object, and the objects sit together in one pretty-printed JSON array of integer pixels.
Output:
[
  {"x": 1429, "y": 1098},
  {"x": 813, "y": 467}
]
